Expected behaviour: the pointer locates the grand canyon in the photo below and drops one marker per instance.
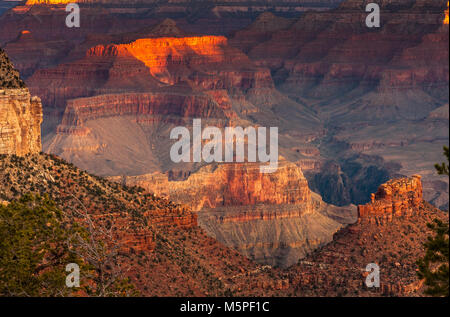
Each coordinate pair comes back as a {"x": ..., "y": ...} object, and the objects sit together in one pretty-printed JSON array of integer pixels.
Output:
[{"x": 362, "y": 113}]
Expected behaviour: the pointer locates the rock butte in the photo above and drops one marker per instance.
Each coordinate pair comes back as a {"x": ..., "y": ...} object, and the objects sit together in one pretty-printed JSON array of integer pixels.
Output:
[
  {"x": 396, "y": 198},
  {"x": 395, "y": 245},
  {"x": 234, "y": 184},
  {"x": 205, "y": 63}
]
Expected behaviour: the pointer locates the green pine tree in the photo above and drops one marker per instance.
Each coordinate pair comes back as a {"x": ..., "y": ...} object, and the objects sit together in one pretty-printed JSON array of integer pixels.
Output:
[
  {"x": 434, "y": 266},
  {"x": 33, "y": 248},
  {"x": 443, "y": 167}
]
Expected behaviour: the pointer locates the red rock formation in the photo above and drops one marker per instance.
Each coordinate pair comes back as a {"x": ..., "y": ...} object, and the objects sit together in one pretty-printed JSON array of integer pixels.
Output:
[
  {"x": 339, "y": 268},
  {"x": 234, "y": 184},
  {"x": 247, "y": 210},
  {"x": 328, "y": 54},
  {"x": 396, "y": 198},
  {"x": 156, "y": 242},
  {"x": 153, "y": 64}
]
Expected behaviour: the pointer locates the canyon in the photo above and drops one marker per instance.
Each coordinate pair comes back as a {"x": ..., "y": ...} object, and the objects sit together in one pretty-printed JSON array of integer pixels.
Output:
[
  {"x": 320, "y": 76},
  {"x": 222, "y": 229},
  {"x": 147, "y": 235},
  {"x": 161, "y": 248},
  {"x": 355, "y": 107}
]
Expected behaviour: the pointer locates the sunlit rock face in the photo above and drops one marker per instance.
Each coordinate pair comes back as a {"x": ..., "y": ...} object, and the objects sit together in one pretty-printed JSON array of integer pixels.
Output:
[
  {"x": 397, "y": 198},
  {"x": 233, "y": 184},
  {"x": 20, "y": 114},
  {"x": 20, "y": 122},
  {"x": 446, "y": 19},
  {"x": 167, "y": 57}
]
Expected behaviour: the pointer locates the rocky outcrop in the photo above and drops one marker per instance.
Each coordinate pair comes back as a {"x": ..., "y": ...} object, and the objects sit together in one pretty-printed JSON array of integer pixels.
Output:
[
  {"x": 20, "y": 114},
  {"x": 339, "y": 268},
  {"x": 164, "y": 65},
  {"x": 271, "y": 218},
  {"x": 394, "y": 199},
  {"x": 20, "y": 122}
]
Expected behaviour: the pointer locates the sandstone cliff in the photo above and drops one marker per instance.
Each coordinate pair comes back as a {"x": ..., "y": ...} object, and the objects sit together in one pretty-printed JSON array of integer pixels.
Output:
[{"x": 20, "y": 114}]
